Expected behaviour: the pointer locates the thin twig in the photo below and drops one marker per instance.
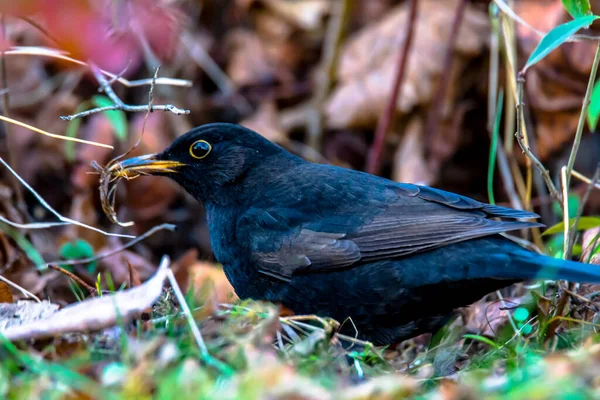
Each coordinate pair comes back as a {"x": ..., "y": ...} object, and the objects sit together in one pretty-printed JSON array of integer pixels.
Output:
[
  {"x": 433, "y": 117},
  {"x": 494, "y": 66},
  {"x": 118, "y": 103},
  {"x": 565, "y": 207},
  {"x": 74, "y": 277},
  {"x": 585, "y": 179},
  {"x": 336, "y": 32},
  {"x": 62, "y": 55},
  {"x": 580, "y": 297},
  {"x": 33, "y": 225},
  {"x": 98, "y": 257},
  {"x": 150, "y": 106},
  {"x": 526, "y": 150},
  {"x": 383, "y": 125},
  {"x": 524, "y": 186},
  {"x": 25, "y": 292},
  {"x": 40, "y": 28},
  {"x": 513, "y": 16},
  {"x": 212, "y": 69},
  {"x": 582, "y": 116},
  {"x": 584, "y": 199},
  {"x": 53, "y": 211},
  {"x": 197, "y": 52},
  {"x": 294, "y": 321},
  {"x": 509, "y": 12},
  {"x": 510, "y": 317},
  {"x": 564, "y": 296},
  {"x": 209, "y": 359},
  {"x": 53, "y": 135},
  {"x": 510, "y": 54}
]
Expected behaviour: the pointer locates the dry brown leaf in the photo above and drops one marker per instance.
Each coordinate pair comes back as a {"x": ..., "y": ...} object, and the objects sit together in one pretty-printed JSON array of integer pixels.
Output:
[
  {"x": 96, "y": 313},
  {"x": 249, "y": 62},
  {"x": 486, "y": 318},
  {"x": 410, "y": 165},
  {"x": 368, "y": 61},
  {"x": 385, "y": 387},
  {"x": 5, "y": 293},
  {"x": 205, "y": 275}
]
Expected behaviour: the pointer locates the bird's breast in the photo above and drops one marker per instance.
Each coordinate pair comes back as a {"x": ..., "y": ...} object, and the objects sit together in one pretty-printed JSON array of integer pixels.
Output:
[{"x": 231, "y": 249}]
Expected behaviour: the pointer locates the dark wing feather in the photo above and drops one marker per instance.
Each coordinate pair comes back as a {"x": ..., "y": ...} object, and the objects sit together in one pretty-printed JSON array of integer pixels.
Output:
[{"x": 345, "y": 226}]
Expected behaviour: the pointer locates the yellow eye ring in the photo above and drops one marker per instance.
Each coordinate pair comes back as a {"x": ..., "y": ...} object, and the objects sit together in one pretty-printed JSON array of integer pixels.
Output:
[{"x": 200, "y": 149}]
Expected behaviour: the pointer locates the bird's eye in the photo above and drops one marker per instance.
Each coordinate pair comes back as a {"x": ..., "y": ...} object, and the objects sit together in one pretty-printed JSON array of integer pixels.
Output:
[{"x": 200, "y": 149}]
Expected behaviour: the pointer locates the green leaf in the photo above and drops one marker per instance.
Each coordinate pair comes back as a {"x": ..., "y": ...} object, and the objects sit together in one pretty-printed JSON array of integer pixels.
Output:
[
  {"x": 494, "y": 147},
  {"x": 521, "y": 314},
  {"x": 558, "y": 36},
  {"x": 527, "y": 329},
  {"x": 593, "y": 113},
  {"x": 584, "y": 223},
  {"x": 573, "y": 203},
  {"x": 78, "y": 249},
  {"x": 577, "y": 8},
  {"x": 117, "y": 118},
  {"x": 482, "y": 339}
]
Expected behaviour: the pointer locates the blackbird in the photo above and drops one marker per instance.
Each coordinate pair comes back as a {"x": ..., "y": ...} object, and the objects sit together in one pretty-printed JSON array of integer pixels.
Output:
[{"x": 396, "y": 258}]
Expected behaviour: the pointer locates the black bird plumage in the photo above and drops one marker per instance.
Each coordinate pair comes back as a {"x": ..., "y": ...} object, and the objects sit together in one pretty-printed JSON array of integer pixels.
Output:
[{"x": 397, "y": 258}]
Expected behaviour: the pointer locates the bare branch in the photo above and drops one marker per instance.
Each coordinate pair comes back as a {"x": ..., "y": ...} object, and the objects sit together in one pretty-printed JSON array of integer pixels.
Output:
[
  {"x": 118, "y": 103},
  {"x": 74, "y": 277},
  {"x": 33, "y": 225},
  {"x": 53, "y": 211},
  {"x": 62, "y": 55},
  {"x": 334, "y": 37},
  {"x": 148, "y": 233},
  {"x": 384, "y": 122},
  {"x": 585, "y": 179},
  {"x": 526, "y": 149}
]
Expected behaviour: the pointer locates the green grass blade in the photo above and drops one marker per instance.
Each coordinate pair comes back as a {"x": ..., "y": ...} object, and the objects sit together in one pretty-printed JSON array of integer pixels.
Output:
[
  {"x": 494, "y": 147},
  {"x": 481, "y": 339}
]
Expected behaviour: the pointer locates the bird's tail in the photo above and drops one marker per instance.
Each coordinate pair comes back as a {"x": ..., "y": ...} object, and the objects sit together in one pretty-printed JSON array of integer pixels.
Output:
[{"x": 530, "y": 265}]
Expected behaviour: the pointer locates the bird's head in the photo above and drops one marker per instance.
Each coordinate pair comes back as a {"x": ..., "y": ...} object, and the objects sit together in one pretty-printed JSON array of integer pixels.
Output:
[{"x": 204, "y": 160}]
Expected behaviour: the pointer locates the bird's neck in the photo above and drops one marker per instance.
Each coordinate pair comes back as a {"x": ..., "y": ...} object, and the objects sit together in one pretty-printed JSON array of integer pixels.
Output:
[{"x": 252, "y": 183}]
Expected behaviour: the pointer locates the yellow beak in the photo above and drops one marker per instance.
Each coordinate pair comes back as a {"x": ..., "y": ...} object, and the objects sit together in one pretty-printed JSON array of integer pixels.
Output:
[{"x": 143, "y": 165}]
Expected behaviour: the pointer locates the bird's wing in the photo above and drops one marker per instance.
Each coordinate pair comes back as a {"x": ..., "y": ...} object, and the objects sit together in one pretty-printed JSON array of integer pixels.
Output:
[{"x": 322, "y": 226}]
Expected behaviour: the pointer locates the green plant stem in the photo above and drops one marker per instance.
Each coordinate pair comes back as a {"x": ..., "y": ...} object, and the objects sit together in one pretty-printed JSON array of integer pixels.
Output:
[
  {"x": 494, "y": 147},
  {"x": 582, "y": 116}
]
